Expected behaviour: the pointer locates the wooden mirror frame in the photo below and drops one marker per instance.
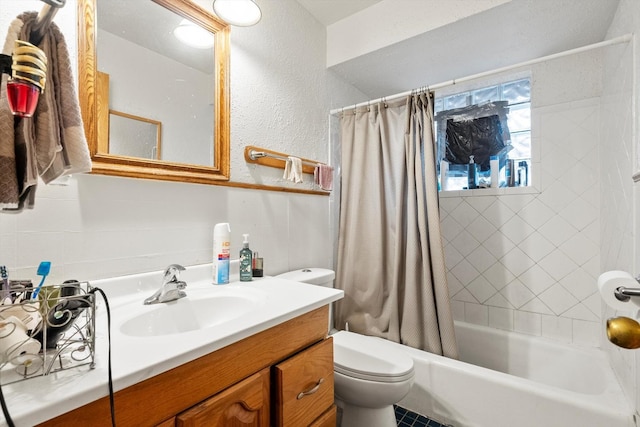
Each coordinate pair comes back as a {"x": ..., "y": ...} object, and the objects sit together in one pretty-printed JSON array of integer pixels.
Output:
[{"x": 93, "y": 107}]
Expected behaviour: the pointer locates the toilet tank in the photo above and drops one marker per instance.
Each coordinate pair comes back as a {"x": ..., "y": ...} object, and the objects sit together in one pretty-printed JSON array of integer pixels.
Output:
[{"x": 313, "y": 276}]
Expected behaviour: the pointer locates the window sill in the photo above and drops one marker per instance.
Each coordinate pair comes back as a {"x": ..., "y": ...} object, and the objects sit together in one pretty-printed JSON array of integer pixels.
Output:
[{"x": 490, "y": 192}]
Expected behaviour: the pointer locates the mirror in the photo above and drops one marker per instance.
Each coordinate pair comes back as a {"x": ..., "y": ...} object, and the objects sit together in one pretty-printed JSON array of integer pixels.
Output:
[
  {"x": 146, "y": 135},
  {"x": 139, "y": 85}
]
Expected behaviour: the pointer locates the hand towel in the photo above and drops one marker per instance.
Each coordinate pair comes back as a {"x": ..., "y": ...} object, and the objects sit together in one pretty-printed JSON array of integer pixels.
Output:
[
  {"x": 18, "y": 174},
  {"x": 323, "y": 176},
  {"x": 52, "y": 142},
  {"x": 58, "y": 132},
  {"x": 293, "y": 169}
]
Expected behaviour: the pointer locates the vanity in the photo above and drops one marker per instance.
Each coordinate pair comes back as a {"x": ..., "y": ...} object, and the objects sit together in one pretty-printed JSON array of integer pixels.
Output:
[{"x": 243, "y": 354}]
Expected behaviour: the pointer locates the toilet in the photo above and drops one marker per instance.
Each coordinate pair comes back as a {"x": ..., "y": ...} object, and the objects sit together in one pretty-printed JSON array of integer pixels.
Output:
[{"x": 370, "y": 374}]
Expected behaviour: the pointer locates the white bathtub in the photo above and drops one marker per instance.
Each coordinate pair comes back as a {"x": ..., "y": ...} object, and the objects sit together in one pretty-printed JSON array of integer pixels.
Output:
[{"x": 531, "y": 382}]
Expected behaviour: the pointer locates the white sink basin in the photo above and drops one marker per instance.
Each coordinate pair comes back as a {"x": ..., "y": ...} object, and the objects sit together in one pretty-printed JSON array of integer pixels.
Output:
[{"x": 194, "y": 312}]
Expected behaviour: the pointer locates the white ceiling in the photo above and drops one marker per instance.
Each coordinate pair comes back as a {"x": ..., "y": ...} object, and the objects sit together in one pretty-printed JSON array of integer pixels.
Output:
[
  {"x": 513, "y": 32},
  {"x": 330, "y": 11},
  {"x": 504, "y": 35}
]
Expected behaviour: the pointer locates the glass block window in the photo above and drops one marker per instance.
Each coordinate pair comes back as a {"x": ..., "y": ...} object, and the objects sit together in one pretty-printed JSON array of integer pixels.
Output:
[{"x": 463, "y": 130}]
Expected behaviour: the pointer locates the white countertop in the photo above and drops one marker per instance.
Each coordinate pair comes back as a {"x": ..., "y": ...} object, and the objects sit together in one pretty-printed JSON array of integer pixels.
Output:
[{"x": 135, "y": 359}]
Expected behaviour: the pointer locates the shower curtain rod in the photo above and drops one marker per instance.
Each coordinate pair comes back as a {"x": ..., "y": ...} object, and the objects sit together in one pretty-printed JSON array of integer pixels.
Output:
[{"x": 621, "y": 39}]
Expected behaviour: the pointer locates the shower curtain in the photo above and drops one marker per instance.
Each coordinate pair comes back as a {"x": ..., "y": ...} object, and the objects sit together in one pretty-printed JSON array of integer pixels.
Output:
[{"x": 390, "y": 256}]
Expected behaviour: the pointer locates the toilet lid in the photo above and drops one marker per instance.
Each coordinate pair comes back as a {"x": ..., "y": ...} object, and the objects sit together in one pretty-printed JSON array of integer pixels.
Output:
[{"x": 370, "y": 358}]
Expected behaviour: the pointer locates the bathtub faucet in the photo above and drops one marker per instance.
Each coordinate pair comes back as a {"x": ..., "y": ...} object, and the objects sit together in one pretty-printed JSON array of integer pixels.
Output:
[{"x": 171, "y": 289}]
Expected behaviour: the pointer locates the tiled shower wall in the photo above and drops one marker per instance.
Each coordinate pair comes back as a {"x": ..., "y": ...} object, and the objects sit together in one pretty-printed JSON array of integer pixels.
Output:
[
  {"x": 619, "y": 244},
  {"x": 528, "y": 259}
]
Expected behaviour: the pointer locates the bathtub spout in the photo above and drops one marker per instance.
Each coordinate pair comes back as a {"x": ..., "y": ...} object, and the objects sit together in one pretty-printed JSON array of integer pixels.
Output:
[{"x": 624, "y": 332}]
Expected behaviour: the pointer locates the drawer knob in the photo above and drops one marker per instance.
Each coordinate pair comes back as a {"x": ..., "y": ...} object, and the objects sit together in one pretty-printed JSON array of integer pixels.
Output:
[{"x": 310, "y": 391}]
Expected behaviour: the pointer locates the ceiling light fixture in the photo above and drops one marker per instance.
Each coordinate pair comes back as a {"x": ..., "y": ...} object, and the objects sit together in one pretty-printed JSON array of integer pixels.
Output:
[
  {"x": 242, "y": 13},
  {"x": 193, "y": 35}
]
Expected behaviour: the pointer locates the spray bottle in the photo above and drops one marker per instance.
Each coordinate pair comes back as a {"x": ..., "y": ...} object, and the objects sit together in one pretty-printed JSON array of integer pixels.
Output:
[{"x": 221, "y": 253}]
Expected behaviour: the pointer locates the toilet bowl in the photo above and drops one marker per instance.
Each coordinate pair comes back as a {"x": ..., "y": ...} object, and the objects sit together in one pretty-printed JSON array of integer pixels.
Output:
[{"x": 370, "y": 375}]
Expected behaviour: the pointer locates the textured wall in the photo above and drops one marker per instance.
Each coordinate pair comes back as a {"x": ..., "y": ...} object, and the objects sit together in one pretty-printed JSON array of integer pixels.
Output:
[{"x": 101, "y": 226}]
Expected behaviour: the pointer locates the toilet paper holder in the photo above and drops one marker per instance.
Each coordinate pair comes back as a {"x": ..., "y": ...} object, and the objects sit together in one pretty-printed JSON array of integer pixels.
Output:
[{"x": 624, "y": 294}]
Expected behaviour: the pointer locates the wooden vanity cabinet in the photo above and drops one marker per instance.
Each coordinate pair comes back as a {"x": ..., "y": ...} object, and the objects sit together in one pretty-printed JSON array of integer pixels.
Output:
[{"x": 253, "y": 382}]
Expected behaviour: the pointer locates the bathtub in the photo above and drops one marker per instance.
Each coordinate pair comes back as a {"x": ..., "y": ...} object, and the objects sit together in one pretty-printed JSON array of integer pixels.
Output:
[{"x": 509, "y": 379}]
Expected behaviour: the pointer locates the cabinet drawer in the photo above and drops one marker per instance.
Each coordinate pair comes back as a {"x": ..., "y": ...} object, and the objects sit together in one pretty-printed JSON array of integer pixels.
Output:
[
  {"x": 304, "y": 385},
  {"x": 328, "y": 419}
]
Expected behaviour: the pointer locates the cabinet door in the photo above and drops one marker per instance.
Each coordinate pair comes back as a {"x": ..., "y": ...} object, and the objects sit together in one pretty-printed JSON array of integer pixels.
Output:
[
  {"x": 245, "y": 404},
  {"x": 303, "y": 387}
]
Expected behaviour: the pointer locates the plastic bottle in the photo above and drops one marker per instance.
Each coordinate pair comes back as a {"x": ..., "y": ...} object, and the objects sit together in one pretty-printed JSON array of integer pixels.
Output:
[
  {"x": 258, "y": 265},
  {"x": 221, "y": 253},
  {"x": 444, "y": 175},
  {"x": 473, "y": 174},
  {"x": 494, "y": 164},
  {"x": 246, "y": 258}
]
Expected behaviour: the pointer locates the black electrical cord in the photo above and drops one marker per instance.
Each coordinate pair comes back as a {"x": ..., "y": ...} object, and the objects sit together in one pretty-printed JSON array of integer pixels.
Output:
[
  {"x": 5, "y": 410},
  {"x": 111, "y": 397},
  {"x": 3, "y": 403}
]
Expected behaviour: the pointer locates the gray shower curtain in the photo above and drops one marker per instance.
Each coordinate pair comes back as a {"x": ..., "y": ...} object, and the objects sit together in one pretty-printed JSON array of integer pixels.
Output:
[{"x": 390, "y": 256}]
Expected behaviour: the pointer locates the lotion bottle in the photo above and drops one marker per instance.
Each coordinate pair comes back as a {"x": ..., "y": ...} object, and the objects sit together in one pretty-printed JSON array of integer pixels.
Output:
[
  {"x": 246, "y": 258},
  {"x": 221, "y": 253}
]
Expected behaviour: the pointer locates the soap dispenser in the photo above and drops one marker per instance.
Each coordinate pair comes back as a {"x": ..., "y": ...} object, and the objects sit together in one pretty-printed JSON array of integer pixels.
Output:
[
  {"x": 473, "y": 174},
  {"x": 246, "y": 258}
]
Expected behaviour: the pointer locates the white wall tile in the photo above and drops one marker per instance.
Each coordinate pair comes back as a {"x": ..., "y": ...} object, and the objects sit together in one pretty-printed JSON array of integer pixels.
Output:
[
  {"x": 547, "y": 243},
  {"x": 557, "y": 328},
  {"x": 501, "y": 318},
  {"x": 476, "y": 314},
  {"x": 527, "y": 323},
  {"x": 586, "y": 333}
]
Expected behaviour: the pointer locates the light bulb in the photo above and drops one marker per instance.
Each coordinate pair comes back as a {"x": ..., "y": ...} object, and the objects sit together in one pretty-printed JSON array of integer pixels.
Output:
[
  {"x": 242, "y": 13},
  {"x": 193, "y": 35}
]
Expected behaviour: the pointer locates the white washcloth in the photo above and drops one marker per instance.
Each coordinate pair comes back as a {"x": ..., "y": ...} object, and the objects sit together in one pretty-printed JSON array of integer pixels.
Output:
[{"x": 293, "y": 169}]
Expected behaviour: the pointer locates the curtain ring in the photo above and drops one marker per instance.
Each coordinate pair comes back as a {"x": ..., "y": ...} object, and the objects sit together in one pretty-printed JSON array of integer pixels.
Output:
[{"x": 368, "y": 107}]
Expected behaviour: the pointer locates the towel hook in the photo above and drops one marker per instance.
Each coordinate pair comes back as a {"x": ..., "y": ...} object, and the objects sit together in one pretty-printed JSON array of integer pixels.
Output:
[{"x": 55, "y": 3}]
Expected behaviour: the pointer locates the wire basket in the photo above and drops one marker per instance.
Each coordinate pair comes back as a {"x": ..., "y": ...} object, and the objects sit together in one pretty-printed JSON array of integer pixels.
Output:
[{"x": 47, "y": 331}]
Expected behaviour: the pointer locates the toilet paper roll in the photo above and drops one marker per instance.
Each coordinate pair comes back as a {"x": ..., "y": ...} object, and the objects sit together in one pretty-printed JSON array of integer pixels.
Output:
[
  {"x": 27, "y": 312},
  {"x": 610, "y": 281},
  {"x": 15, "y": 344}
]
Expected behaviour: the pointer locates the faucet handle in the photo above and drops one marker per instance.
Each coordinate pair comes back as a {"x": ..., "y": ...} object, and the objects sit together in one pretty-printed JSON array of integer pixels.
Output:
[{"x": 172, "y": 272}]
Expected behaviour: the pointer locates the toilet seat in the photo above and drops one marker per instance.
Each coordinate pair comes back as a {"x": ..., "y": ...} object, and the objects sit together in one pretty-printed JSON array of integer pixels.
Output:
[{"x": 370, "y": 358}]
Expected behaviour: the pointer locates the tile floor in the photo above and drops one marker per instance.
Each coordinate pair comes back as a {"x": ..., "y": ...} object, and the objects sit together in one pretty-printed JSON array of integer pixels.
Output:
[{"x": 406, "y": 418}]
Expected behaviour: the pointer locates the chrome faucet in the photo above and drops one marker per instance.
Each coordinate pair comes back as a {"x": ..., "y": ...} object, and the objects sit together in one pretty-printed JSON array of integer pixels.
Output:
[{"x": 171, "y": 288}]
